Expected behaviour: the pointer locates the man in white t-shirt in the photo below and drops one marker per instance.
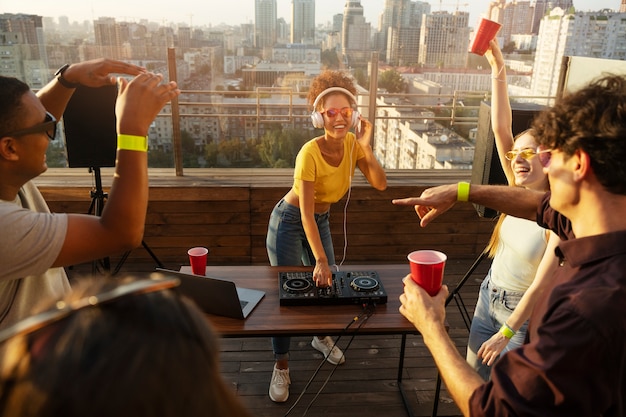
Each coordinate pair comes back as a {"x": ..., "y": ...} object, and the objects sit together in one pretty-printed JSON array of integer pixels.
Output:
[{"x": 37, "y": 244}]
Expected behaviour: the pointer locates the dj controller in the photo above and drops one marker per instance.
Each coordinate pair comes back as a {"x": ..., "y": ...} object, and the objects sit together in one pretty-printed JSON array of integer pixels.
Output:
[{"x": 350, "y": 287}]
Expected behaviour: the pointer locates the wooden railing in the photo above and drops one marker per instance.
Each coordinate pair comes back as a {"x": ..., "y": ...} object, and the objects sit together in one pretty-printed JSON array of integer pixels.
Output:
[{"x": 227, "y": 211}]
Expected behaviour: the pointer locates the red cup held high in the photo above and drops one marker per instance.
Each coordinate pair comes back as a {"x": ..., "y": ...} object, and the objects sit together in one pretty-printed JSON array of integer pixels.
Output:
[{"x": 486, "y": 31}]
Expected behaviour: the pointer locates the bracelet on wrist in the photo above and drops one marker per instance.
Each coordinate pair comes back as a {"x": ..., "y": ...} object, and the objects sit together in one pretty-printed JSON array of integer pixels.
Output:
[
  {"x": 507, "y": 331},
  {"x": 497, "y": 77},
  {"x": 132, "y": 143},
  {"x": 65, "y": 83},
  {"x": 462, "y": 191}
]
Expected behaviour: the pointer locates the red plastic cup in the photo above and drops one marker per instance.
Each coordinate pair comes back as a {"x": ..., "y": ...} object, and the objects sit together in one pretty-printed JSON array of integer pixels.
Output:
[
  {"x": 487, "y": 30},
  {"x": 197, "y": 259},
  {"x": 427, "y": 269}
]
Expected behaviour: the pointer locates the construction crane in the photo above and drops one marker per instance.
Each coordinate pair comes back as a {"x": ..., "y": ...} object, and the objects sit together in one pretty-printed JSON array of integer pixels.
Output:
[{"x": 456, "y": 5}]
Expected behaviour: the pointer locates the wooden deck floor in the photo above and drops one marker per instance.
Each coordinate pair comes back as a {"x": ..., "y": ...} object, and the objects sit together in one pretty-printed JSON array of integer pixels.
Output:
[{"x": 366, "y": 384}]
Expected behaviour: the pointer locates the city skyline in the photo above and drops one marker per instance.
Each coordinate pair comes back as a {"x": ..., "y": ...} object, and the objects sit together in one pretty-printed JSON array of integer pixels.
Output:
[{"x": 195, "y": 13}]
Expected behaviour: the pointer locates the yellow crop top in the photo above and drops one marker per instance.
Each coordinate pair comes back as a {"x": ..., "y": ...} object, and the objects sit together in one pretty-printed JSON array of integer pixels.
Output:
[{"x": 331, "y": 183}]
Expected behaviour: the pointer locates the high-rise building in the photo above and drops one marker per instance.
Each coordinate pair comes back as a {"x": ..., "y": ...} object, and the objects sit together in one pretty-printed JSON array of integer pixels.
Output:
[
  {"x": 444, "y": 39},
  {"x": 303, "y": 21},
  {"x": 543, "y": 7},
  {"x": 265, "y": 22},
  {"x": 30, "y": 28},
  {"x": 516, "y": 17},
  {"x": 338, "y": 22},
  {"x": 400, "y": 25},
  {"x": 389, "y": 24},
  {"x": 591, "y": 34},
  {"x": 522, "y": 17},
  {"x": 108, "y": 37},
  {"x": 622, "y": 7},
  {"x": 355, "y": 33},
  {"x": 283, "y": 30}
]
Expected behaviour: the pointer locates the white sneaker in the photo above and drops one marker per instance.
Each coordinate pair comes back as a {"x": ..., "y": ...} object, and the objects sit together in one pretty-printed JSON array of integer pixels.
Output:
[
  {"x": 331, "y": 352},
  {"x": 279, "y": 386}
]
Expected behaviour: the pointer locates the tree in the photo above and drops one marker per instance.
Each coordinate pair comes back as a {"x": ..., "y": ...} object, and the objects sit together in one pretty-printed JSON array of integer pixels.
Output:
[
  {"x": 56, "y": 157},
  {"x": 279, "y": 147},
  {"x": 329, "y": 59},
  {"x": 160, "y": 159},
  {"x": 392, "y": 81},
  {"x": 360, "y": 75},
  {"x": 210, "y": 154}
]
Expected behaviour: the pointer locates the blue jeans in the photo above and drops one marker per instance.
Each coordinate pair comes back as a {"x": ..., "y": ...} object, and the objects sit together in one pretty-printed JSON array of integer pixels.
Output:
[
  {"x": 287, "y": 245},
  {"x": 493, "y": 308}
]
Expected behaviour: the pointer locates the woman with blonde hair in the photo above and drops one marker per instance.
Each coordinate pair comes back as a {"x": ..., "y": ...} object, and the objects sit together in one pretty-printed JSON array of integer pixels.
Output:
[{"x": 522, "y": 252}]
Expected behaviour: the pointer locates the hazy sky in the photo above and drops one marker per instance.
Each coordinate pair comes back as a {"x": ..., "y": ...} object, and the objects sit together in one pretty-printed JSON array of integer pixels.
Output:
[{"x": 232, "y": 12}]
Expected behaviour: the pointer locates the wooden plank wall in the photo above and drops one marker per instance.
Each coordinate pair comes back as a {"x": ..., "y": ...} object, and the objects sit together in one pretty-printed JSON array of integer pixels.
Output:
[{"x": 232, "y": 222}]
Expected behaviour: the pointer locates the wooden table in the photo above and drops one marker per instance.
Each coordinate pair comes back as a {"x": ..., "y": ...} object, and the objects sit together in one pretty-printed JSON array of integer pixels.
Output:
[{"x": 269, "y": 318}]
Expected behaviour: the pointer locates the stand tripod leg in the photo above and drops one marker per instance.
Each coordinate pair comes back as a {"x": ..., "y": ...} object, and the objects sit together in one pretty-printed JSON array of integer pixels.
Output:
[
  {"x": 437, "y": 394},
  {"x": 455, "y": 292},
  {"x": 98, "y": 196},
  {"x": 147, "y": 248},
  {"x": 152, "y": 255}
]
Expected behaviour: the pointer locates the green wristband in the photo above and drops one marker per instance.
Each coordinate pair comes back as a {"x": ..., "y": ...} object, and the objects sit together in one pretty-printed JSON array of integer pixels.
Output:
[
  {"x": 507, "y": 331},
  {"x": 462, "y": 193},
  {"x": 132, "y": 143}
]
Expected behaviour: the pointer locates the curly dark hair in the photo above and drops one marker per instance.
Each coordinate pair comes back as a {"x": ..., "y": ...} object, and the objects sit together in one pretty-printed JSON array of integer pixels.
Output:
[
  {"x": 12, "y": 91},
  {"x": 328, "y": 79},
  {"x": 592, "y": 119}
]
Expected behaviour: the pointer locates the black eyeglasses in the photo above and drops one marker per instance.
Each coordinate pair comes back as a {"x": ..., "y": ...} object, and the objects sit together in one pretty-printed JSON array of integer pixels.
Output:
[
  {"x": 346, "y": 112},
  {"x": 157, "y": 282},
  {"x": 49, "y": 126}
]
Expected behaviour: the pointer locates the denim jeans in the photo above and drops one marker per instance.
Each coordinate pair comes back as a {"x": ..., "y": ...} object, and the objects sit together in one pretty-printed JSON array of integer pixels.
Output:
[
  {"x": 287, "y": 245},
  {"x": 493, "y": 308}
]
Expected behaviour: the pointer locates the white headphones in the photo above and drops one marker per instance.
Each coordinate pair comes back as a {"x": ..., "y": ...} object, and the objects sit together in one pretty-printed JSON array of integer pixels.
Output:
[{"x": 318, "y": 119}]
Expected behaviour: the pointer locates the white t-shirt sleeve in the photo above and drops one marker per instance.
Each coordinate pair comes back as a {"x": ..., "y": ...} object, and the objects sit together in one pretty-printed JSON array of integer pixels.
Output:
[{"x": 30, "y": 241}]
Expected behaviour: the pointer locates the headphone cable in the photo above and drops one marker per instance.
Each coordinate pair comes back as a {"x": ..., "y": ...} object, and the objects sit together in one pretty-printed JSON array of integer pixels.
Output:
[{"x": 345, "y": 208}]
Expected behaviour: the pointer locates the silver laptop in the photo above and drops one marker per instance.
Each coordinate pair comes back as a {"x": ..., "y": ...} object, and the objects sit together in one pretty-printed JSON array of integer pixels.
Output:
[{"x": 217, "y": 296}]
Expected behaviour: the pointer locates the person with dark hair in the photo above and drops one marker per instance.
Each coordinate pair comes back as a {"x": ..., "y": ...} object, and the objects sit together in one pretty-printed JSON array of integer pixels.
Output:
[
  {"x": 575, "y": 360},
  {"x": 522, "y": 252},
  {"x": 37, "y": 244},
  {"x": 115, "y": 347},
  {"x": 299, "y": 229}
]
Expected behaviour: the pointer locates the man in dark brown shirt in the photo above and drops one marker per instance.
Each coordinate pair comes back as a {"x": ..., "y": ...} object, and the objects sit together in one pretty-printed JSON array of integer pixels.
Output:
[{"x": 574, "y": 363}]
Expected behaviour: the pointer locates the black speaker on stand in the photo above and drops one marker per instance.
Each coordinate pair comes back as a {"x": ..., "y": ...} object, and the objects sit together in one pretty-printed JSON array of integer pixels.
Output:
[{"x": 91, "y": 142}]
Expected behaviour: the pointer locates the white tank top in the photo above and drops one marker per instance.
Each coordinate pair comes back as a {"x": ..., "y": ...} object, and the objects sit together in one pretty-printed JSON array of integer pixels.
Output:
[{"x": 521, "y": 247}]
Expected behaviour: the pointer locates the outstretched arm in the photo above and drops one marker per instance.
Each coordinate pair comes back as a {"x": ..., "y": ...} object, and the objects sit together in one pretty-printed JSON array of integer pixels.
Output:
[
  {"x": 435, "y": 201},
  {"x": 121, "y": 226},
  {"x": 94, "y": 73},
  {"x": 501, "y": 114},
  {"x": 322, "y": 274}
]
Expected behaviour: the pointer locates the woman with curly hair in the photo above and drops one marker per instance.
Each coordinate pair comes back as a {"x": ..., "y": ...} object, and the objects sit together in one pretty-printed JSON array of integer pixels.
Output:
[{"x": 299, "y": 231}]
